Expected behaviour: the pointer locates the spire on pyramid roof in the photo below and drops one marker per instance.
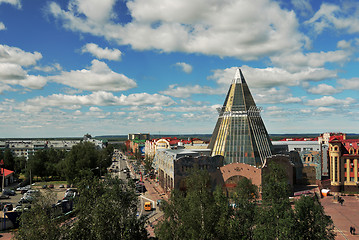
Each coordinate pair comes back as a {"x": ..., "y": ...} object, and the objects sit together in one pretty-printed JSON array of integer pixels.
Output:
[{"x": 238, "y": 77}]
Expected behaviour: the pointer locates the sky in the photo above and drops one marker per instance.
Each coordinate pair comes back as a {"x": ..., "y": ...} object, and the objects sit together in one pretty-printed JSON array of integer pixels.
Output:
[{"x": 110, "y": 67}]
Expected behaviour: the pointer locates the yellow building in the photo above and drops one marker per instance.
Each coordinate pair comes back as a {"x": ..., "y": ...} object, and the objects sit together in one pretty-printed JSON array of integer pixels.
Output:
[{"x": 344, "y": 156}]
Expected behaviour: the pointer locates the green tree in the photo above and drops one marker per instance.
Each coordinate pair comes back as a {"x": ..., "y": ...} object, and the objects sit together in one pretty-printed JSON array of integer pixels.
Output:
[
  {"x": 192, "y": 214},
  {"x": 107, "y": 210},
  {"x": 103, "y": 210},
  {"x": 20, "y": 164},
  {"x": 224, "y": 227},
  {"x": 105, "y": 158},
  {"x": 311, "y": 221},
  {"x": 37, "y": 163},
  {"x": 54, "y": 156},
  {"x": 275, "y": 218},
  {"x": 243, "y": 220},
  {"x": 38, "y": 222},
  {"x": 9, "y": 159},
  {"x": 81, "y": 160},
  {"x": 148, "y": 163}
]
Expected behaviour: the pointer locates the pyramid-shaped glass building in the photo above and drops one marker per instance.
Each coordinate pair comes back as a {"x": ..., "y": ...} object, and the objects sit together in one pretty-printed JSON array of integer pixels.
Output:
[{"x": 240, "y": 135}]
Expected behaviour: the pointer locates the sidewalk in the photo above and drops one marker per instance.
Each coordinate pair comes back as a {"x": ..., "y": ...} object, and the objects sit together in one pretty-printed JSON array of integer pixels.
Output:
[
  {"x": 343, "y": 216},
  {"x": 154, "y": 192}
]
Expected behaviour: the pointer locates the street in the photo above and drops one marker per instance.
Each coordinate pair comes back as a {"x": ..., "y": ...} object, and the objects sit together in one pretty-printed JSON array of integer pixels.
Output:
[{"x": 152, "y": 193}]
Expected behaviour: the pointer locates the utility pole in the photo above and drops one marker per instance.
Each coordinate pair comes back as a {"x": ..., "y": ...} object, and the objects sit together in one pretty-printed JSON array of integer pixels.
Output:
[{"x": 3, "y": 174}]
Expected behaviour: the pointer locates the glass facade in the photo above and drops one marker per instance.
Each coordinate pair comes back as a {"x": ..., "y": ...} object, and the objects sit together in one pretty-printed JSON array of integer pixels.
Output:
[{"x": 240, "y": 135}]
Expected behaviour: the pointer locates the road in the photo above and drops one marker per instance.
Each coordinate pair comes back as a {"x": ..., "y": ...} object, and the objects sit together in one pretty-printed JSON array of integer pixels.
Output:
[{"x": 153, "y": 193}]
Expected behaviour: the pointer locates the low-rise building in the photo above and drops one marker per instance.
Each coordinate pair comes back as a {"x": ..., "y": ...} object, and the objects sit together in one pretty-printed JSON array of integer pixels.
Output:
[
  {"x": 168, "y": 163},
  {"x": 344, "y": 167}
]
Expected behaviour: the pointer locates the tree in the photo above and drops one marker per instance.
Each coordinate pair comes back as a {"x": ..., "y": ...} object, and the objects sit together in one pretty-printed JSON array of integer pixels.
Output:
[
  {"x": 37, "y": 163},
  {"x": 81, "y": 160},
  {"x": 107, "y": 210},
  {"x": 38, "y": 222},
  {"x": 103, "y": 210},
  {"x": 244, "y": 210},
  {"x": 311, "y": 223},
  {"x": 20, "y": 164},
  {"x": 148, "y": 163},
  {"x": 275, "y": 218},
  {"x": 192, "y": 214},
  {"x": 9, "y": 159}
]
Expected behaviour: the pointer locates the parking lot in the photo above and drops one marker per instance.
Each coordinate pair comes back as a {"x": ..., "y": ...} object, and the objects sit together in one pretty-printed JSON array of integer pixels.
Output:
[{"x": 14, "y": 200}]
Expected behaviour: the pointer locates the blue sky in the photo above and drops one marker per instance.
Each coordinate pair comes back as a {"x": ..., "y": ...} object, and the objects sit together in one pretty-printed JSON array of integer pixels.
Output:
[{"x": 110, "y": 67}]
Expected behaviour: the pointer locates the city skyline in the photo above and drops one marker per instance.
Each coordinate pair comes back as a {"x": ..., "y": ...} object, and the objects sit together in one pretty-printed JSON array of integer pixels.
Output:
[{"x": 110, "y": 67}]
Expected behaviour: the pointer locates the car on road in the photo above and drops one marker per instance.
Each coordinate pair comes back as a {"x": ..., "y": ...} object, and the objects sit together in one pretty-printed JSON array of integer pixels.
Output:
[
  {"x": 51, "y": 186},
  {"x": 148, "y": 206},
  {"x": 61, "y": 186}
]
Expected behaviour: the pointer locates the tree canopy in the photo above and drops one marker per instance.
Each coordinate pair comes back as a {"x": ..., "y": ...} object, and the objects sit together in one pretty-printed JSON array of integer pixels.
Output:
[
  {"x": 104, "y": 210},
  {"x": 203, "y": 213}
]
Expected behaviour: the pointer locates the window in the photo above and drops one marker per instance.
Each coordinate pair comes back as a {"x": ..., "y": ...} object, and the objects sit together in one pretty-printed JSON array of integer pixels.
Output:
[{"x": 352, "y": 179}]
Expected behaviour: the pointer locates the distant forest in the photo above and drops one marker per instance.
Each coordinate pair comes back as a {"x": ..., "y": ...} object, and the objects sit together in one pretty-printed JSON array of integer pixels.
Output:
[
  {"x": 207, "y": 137},
  {"x": 204, "y": 137}
]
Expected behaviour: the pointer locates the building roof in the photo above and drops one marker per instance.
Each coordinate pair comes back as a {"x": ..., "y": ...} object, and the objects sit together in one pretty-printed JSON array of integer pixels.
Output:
[{"x": 7, "y": 172}]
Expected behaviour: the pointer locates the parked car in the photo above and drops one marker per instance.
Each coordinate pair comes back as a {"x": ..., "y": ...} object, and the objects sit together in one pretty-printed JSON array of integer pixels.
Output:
[
  {"x": 27, "y": 187},
  {"x": 8, "y": 192},
  {"x": 2, "y": 196}
]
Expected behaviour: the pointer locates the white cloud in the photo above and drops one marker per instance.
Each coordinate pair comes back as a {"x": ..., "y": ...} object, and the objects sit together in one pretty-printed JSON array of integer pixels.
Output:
[
  {"x": 262, "y": 83},
  {"x": 204, "y": 108},
  {"x": 304, "y": 7},
  {"x": 98, "y": 77},
  {"x": 335, "y": 17},
  {"x": 274, "y": 95},
  {"x": 33, "y": 82},
  {"x": 272, "y": 76},
  {"x": 295, "y": 62},
  {"x": 16, "y": 3},
  {"x": 352, "y": 83},
  {"x": 343, "y": 44},
  {"x": 275, "y": 111},
  {"x": 323, "y": 89},
  {"x": 330, "y": 101},
  {"x": 102, "y": 53},
  {"x": 2, "y": 26},
  {"x": 243, "y": 29},
  {"x": 97, "y": 98},
  {"x": 187, "y": 91},
  {"x": 94, "y": 10},
  {"x": 185, "y": 67},
  {"x": 4, "y": 87},
  {"x": 95, "y": 109},
  {"x": 325, "y": 110},
  {"x": 291, "y": 99},
  {"x": 52, "y": 68},
  {"x": 10, "y": 71},
  {"x": 17, "y": 56},
  {"x": 306, "y": 111}
]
